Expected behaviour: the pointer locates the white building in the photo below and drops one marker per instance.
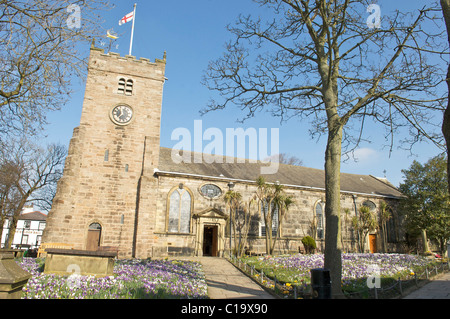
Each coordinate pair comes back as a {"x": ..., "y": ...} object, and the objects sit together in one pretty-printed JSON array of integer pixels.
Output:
[{"x": 30, "y": 227}]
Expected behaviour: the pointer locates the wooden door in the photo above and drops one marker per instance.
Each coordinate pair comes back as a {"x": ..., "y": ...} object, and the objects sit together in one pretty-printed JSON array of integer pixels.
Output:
[
  {"x": 93, "y": 240},
  {"x": 373, "y": 243},
  {"x": 93, "y": 237},
  {"x": 214, "y": 241}
]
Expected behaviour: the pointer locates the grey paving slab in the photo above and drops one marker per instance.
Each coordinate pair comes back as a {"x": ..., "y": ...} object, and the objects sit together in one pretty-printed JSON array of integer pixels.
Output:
[
  {"x": 226, "y": 282},
  {"x": 438, "y": 288}
]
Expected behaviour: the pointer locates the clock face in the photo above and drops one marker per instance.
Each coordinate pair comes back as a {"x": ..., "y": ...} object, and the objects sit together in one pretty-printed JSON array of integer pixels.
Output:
[{"x": 122, "y": 114}]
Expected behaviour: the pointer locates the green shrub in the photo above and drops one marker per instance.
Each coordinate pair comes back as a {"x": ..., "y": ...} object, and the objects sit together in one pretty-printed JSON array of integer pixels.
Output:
[{"x": 309, "y": 243}]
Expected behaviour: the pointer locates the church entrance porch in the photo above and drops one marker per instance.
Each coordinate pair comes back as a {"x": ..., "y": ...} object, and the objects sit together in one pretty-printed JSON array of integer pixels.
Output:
[{"x": 210, "y": 237}]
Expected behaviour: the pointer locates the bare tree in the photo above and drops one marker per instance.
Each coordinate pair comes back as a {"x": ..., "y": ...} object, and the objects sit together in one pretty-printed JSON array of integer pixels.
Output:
[
  {"x": 323, "y": 61},
  {"x": 40, "y": 56},
  {"x": 284, "y": 158},
  {"x": 31, "y": 176},
  {"x": 445, "y": 5}
]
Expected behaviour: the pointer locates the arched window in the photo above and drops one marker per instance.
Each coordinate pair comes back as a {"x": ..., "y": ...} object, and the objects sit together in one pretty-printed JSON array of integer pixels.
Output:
[
  {"x": 129, "y": 87},
  {"x": 121, "y": 88},
  {"x": 320, "y": 221},
  {"x": 370, "y": 204},
  {"x": 179, "y": 204}
]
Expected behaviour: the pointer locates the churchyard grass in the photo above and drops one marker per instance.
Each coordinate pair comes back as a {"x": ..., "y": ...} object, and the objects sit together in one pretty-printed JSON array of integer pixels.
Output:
[
  {"x": 294, "y": 270},
  {"x": 133, "y": 279}
]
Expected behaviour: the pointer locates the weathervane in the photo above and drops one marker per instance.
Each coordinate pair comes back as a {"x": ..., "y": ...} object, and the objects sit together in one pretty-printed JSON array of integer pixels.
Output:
[{"x": 112, "y": 36}]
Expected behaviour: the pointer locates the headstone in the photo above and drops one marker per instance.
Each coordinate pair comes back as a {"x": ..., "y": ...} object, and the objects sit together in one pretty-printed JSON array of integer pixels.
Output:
[
  {"x": 81, "y": 262},
  {"x": 12, "y": 277}
]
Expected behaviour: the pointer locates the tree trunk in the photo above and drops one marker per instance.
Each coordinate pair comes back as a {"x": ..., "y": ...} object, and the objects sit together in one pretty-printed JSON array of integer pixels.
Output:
[
  {"x": 333, "y": 247},
  {"x": 15, "y": 219},
  {"x": 425, "y": 241},
  {"x": 446, "y": 127},
  {"x": 445, "y": 4}
]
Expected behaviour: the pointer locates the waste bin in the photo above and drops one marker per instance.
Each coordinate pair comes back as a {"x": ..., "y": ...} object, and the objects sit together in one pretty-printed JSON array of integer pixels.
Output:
[{"x": 321, "y": 283}]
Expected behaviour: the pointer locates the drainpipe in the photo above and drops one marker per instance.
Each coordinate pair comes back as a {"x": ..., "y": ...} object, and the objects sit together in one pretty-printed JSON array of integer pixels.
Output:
[
  {"x": 356, "y": 214},
  {"x": 230, "y": 187}
]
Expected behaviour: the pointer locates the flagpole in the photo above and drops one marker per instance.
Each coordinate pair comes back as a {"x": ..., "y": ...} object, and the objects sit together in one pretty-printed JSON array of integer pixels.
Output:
[{"x": 132, "y": 29}]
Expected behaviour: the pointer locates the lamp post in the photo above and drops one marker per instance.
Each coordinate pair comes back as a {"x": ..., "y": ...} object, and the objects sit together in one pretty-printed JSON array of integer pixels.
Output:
[{"x": 230, "y": 187}]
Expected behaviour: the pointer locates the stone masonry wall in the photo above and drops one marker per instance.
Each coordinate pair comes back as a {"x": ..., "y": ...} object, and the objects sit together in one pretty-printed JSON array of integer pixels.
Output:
[
  {"x": 295, "y": 226},
  {"x": 105, "y": 160}
]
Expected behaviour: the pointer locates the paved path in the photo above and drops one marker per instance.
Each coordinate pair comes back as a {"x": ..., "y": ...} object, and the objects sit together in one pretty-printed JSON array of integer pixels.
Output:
[
  {"x": 226, "y": 282},
  {"x": 438, "y": 288}
]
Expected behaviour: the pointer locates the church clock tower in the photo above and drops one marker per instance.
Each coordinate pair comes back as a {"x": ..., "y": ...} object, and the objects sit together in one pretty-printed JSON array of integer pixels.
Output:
[{"x": 112, "y": 154}]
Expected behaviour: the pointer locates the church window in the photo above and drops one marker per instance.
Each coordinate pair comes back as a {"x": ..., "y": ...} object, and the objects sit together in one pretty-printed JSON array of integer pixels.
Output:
[
  {"x": 391, "y": 230},
  {"x": 129, "y": 87},
  {"x": 274, "y": 212},
  {"x": 179, "y": 215},
  {"x": 106, "y": 157},
  {"x": 210, "y": 191},
  {"x": 319, "y": 221},
  {"x": 369, "y": 204},
  {"x": 121, "y": 89}
]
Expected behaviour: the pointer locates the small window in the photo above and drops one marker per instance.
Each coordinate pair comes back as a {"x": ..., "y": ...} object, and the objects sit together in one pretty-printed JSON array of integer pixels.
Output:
[
  {"x": 121, "y": 89},
  {"x": 27, "y": 224},
  {"x": 106, "y": 157},
  {"x": 95, "y": 226},
  {"x": 319, "y": 219},
  {"x": 129, "y": 87}
]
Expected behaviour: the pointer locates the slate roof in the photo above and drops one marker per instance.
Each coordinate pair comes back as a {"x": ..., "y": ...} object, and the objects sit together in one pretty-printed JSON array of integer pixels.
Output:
[
  {"x": 289, "y": 175},
  {"x": 33, "y": 216}
]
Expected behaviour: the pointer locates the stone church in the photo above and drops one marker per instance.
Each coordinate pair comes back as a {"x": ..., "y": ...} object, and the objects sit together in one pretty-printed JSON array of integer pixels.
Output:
[{"x": 121, "y": 189}]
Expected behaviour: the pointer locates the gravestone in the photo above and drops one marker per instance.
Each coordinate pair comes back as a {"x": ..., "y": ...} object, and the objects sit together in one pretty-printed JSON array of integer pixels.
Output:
[
  {"x": 81, "y": 262},
  {"x": 12, "y": 277}
]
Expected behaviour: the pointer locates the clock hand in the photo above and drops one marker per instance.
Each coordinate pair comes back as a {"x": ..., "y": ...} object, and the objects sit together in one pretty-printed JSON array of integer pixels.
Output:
[{"x": 124, "y": 115}]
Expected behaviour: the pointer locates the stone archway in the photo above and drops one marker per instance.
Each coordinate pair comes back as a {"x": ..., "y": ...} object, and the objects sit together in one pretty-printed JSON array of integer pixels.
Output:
[{"x": 210, "y": 237}]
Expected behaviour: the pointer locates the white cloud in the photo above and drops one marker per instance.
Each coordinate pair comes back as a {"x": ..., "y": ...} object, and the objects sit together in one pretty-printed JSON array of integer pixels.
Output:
[{"x": 364, "y": 154}]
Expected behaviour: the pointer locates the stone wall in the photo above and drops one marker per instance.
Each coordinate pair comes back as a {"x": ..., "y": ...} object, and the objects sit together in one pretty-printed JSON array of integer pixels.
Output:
[
  {"x": 295, "y": 226},
  {"x": 105, "y": 160}
]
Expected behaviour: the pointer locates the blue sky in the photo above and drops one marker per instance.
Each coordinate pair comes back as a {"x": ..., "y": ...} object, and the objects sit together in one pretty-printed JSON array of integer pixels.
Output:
[{"x": 193, "y": 33}]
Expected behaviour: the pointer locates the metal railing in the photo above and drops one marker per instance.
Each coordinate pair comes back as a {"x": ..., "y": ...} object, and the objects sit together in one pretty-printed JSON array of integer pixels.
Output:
[
  {"x": 394, "y": 290},
  {"x": 398, "y": 287}
]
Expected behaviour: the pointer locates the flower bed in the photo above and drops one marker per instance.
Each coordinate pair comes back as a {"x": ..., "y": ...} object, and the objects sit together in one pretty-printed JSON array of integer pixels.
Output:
[
  {"x": 294, "y": 270},
  {"x": 132, "y": 279}
]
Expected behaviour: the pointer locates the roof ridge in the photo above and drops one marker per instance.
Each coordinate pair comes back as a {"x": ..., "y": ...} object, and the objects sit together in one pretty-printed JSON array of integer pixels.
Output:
[{"x": 261, "y": 162}]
